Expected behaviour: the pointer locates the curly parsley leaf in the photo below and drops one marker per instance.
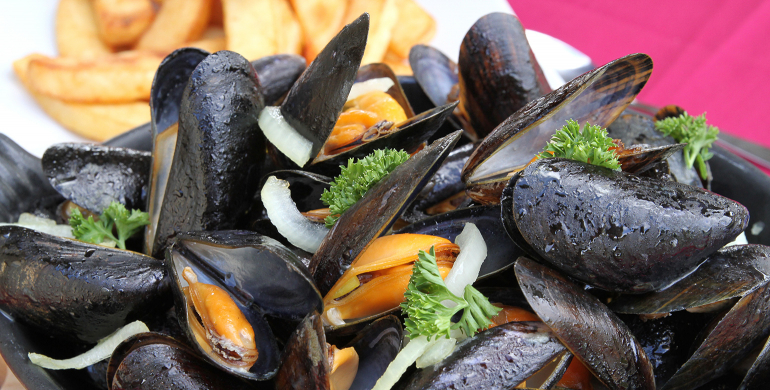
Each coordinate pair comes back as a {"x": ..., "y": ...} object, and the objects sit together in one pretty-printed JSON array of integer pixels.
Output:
[
  {"x": 357, "y": 178},
  {"x": 591, "y": 145},
  {"x": 695, "y": 133},
  {"x": 114, "y": 216}
]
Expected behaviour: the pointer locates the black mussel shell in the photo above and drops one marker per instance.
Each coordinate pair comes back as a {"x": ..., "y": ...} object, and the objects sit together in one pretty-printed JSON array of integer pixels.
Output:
[
  {"x": 219, "y": 150},
  {"x": 169, "y": 84},
  {"x": 498, "y": 72},
  {"x": 371, "y": 217},
  {"x": 277, "y": 74},
  {"x": 94, "y": 176},
  {"x": 596, "y": 97},
  {"x": 435, "y": 72},
  {"x": 138, "y": 138},
  {"x": 76, "y": 289},
  {"x": 759, "y": 372},
  {"x": 154, "y": 361},
  {"x": 377, "y": 345},
  {"x": 578, "y": 216},
  {"x": 315, "y": 101},
  {"x": 261, "y": 275},
  {"x": 498, "y": 358},
  {"x": 744, "y": 327},
  {"x": 585, "y": 326},
  {"x": 728, "y": 273},
  {"x": 23, "y": 185},
  {"x": 501, "y": 253}
]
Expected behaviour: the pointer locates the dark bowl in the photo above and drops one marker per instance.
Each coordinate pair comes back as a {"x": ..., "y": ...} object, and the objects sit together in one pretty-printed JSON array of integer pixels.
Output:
[{"x": 734, "y": 178}]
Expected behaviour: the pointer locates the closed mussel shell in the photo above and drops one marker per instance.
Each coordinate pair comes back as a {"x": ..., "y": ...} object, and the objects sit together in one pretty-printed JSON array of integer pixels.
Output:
[
  {"x": 728, "y": 273},
  {"x": 94, "y": 176},
  {"x": 154, "y": 361},
  {"x": 585, "y": 326},
  {"x": 261, "y": 276},
  {"x": 76, "y": 289},
  {"x": 497, "y": 358},
  {"x": 435, "y": 72},
  {"x": 24, "y": 184},
  {"x": 219, "y": 150},
  {"x": 577, "y": 216}
]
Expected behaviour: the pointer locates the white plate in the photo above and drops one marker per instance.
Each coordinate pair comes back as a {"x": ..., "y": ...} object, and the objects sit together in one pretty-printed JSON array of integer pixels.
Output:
[{"x": 28, "y": 27}]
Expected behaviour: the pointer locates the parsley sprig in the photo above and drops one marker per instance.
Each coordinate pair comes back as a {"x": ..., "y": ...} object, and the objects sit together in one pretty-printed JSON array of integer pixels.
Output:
[
  {"x": 695, "y": 133},
  {"x": 592, "y": 145},
  {"x": 114, "y": 216},
  {"x": 428, "y": 316},
  {"x": 357, "y": 178}
]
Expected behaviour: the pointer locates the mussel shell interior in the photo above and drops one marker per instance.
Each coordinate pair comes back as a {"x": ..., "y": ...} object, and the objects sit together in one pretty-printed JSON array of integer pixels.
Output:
[{"x": 596, "y": 97}]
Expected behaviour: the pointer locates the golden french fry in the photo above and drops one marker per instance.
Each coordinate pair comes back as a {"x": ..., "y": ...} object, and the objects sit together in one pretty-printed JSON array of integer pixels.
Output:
[
  {"x": 414, "y": 26},
  {"x": 216, "y": 18},
  {"x": 76, "y": 31},
  {"x": 177, "y": 22},
  {"x": 250, "y": 27},
  {"x": 321, "y": 20},
  {"x": 118, "y": 78},
  {"x": 383, "y": 15},
  {"x": 98, "y": 122},
  {"x": 212, "y": 40},
  {"x": 399, "y": 65},
  {"x": 122, "y": 22},
  {"x": 289, "y": 32}
]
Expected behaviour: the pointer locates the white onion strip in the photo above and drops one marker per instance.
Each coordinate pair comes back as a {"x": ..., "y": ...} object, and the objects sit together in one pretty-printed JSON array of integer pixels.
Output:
[
  {"x": 403, "y": 360},
  {"x": 288, "y": 140},
  {"x": 473, "y": 252},
  {"x": 101, "y": 351},
  {"x": 381, "y": 84},
  {"x": 283, "y": 213}
]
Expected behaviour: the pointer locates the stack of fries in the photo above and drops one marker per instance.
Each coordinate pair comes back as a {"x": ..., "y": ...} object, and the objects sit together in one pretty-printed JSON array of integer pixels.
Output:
[{"x": 99, "y": 86}]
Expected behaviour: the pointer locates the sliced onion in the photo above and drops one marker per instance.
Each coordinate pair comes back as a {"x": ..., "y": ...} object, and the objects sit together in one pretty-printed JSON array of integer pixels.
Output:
[
  {"x": 740, "y": 240},
  {"x": 473, "y": 252},
  {"x": 436, "y": 352},
  {"x": 403, "y": 360},
  {"x": 283, "y": 213},
  {"x": 101, "y": 351},
  {"x": 43, "y": 225},
  {"x": 284, "y": 137},
  {"x": 381, "y": 84}
]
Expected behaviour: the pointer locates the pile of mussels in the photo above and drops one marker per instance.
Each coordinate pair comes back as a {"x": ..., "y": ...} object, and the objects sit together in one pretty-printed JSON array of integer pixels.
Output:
[{"x": 623, "y": 268}]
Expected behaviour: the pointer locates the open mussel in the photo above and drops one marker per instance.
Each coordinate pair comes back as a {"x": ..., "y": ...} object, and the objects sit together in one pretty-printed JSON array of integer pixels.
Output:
[
  {"x": 218, "y": 153},
  {"x": 596, "y": 97},
  {"x": 577, "y": 216},
  {"x": 154, "y": 361},
  {"x": 76, "y": 289},
  {"x": 238, "y": 277},
  {"x": 94, "y": 176}
]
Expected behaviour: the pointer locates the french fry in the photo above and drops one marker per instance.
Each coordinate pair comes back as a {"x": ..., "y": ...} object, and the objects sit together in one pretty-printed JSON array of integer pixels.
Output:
[
  {"x": 289, "y": 32},
  {"x": 383, "y": 15},
  {"x": 216, "y": 18},
  {"x": 98, "y": 122},
  {"x": 76, "y": 32},
  {"x": 321, "y": 20},
  {"x": 414, "y": 26},
  {"x": 399, "y": 65},
  {"x": 122, "y": 22},
  {"x": 177, "y": 22},
  {"x": 212, "y": 40},
  {"x": 250, "y": 27},
  {"x": 119, "y": 78}
]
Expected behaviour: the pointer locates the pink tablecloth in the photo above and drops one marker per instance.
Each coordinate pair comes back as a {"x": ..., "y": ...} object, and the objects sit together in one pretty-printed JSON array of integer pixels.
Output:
[{"x": 709, "y": 56}]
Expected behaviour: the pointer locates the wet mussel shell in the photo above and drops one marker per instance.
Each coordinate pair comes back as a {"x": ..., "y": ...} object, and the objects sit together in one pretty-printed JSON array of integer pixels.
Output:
[
  {"x": 93, "y": 176},
  {"x": 577, "y": 216},
  {"x": 219, "y": 150},
  {"x": 497, "y": 358},
  {"x": 152, "y": 361},
  {"x": 262, "y": 276},
  {"x": 371, "y": 217},
  {"x": 277, "y": 73},
  {"x": 585, "y": 326},
  {"x": 596, "y": 97},
  {"x": 23, "y": 185},
  {"x": 305, "y": 362},
  {"x": 436, "y": 74},
  {"x": 75, "y": 289},
  {"x": 728, "y": 273}
]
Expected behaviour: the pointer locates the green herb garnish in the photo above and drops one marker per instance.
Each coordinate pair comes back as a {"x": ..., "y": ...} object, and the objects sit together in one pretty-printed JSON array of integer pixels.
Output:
[
  {"x": 427, "y": 316},
  {"x": 696, "y": 134},
  {"x": 357, "y": 178},
  {"x": 591, "y": 146},
  {"x": 116, "y": 215}
]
